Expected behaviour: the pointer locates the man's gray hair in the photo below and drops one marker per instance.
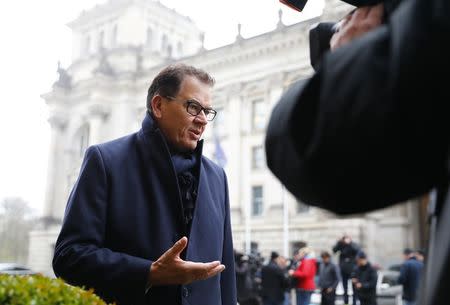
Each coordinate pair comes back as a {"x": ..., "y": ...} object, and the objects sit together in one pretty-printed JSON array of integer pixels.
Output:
[{"x": 168, "y": 81}]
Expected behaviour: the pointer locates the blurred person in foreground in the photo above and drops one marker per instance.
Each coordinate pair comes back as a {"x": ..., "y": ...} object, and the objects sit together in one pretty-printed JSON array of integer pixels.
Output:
[
  {"x": 347, "y": 249},
  {"x": 148, "y": 219},
  {"x": 410, "y": 275},
  {"x": 369, "y": 129},
  {"x": 329, "y": 278},
  {"x": 305, "y": 274},
  {"x": 364, "y": 279}
]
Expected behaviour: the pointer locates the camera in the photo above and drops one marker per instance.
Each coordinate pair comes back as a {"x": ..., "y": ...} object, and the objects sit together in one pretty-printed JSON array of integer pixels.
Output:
[{"x": 321, "y": 33}]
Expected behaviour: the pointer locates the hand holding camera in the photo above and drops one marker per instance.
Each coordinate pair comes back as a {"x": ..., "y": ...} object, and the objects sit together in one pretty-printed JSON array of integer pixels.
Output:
[
  {"x": 325, "y": 35},
  {"x": 357, "y": 23}
]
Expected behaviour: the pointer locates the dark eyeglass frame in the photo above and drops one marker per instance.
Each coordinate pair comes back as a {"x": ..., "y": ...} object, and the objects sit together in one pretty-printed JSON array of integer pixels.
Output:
[{"x": 210, "y": 113}]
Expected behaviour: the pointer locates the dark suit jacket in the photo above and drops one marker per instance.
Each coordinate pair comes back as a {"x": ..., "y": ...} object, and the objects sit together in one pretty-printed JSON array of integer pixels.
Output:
[
  {"x": 410, "y": 275},
  {"x": 125, "y": 211},
  {"x": 273, "y": 282},
  {"x": 370, "y": 127},
  {"x": 368, "y": 277}
]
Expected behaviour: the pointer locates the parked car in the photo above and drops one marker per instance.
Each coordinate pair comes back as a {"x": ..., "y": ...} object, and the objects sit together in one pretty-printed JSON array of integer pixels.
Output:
[
  {"x": 388, "y": 288},
  {"x": 15, "y": 269}
]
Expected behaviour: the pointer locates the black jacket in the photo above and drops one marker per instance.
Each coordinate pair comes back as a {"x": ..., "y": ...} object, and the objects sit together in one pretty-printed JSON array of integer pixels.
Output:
[
  {"x": 329, "y": 276},
  {"x": 244, "y": 282},
  {"x": 370, "y": 128},
  {"x": 347, "y": 254},
  {"x": 274, "y": 282},
  {"x": 367, "y": 276}
]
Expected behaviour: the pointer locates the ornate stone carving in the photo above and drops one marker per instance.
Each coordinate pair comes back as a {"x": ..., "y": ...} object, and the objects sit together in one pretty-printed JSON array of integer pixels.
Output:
[
  {"x": 58, "y": 122},
  {"x": 64, "y": 79},
  {"x": 234, "y": 89},
  {"x": 104, "y": 66},
  {"x": 99, "y": 110}
]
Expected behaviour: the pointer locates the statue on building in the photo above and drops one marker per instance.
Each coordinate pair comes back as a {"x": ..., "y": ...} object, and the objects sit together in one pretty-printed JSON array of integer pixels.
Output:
[
  {"x": 239, "y": 36},
  {"x": 280, "y": 23},
  {"x": 104, "y": 66},
  {"x": 202, "y": 38},
  {"x": 64, "y": 79}
]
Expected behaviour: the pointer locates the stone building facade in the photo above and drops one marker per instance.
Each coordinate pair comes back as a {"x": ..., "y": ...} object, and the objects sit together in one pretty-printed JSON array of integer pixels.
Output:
[{"x": 118, "y": 48}]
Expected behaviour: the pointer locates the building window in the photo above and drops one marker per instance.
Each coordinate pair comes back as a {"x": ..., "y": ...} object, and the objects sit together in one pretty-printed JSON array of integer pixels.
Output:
[
  {"x": 101, "y": 37},
  {"x": 83, "y": 140},
  {"x": 257, "y": 200},
  {"x": 164, "y": 43},
  {"x": 302, "y": 208},
  {"x": 258, "y": 114},
  {"x": 87, "y": 45},
  {"x": 257, "y": 157},
  {"x": 114, "y": 36},
  {"x": 219, "y": 121},
  {"x": 180, "y": 49},
  {"x": 149, "y": 37},
  {"x": 169, "y": 50}
]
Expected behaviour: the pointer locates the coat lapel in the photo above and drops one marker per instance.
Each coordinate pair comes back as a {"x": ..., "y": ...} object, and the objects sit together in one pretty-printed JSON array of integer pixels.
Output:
[{"x": 158, "y": 164}]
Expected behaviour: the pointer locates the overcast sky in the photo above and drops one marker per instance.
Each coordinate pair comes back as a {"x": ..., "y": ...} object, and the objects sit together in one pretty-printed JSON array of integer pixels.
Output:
[{"x": 34, "y": 36}]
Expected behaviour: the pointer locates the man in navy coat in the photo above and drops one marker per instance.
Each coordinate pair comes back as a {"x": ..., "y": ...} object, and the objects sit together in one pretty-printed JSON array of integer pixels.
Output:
[{"x": 140, "y": 198}]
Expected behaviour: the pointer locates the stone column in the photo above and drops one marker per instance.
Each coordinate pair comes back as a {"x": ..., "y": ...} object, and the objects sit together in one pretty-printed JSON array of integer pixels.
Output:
[
  {"x": 97, "y": 115},
  {"x": 55, "y": 168}
]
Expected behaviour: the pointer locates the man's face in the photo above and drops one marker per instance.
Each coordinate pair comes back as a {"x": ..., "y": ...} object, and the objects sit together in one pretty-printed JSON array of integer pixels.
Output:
[
  {"x": 181, "y": 129},
  {"x": 361, "y": 261}
]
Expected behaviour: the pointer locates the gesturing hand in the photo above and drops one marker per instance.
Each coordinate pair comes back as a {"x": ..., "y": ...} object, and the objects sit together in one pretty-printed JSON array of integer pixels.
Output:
[
  {"x": 170, "y": 269},
  {"x": 361, "y": 21}
]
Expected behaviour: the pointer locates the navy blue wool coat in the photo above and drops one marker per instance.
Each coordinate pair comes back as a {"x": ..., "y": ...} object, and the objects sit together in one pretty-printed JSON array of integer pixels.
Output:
[{"x": 125, "y": 211}]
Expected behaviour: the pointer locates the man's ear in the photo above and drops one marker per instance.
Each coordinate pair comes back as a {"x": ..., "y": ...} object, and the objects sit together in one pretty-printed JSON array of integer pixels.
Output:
[{"x": 156, "y": 105}]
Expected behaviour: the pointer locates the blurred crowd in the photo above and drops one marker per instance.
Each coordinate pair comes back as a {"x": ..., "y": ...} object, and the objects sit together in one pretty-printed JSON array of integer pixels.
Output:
[{"x": 278, "y": 280}]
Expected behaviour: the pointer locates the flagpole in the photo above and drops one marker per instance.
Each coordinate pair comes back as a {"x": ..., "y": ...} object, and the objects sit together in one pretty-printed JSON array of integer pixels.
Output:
[
  {"x": 285, "y": 223},
  {"x": 247, "y": 228}
]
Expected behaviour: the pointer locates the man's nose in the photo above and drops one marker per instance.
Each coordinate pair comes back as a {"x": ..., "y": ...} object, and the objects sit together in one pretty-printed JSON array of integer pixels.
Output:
[{"x": 201, "y": 118}]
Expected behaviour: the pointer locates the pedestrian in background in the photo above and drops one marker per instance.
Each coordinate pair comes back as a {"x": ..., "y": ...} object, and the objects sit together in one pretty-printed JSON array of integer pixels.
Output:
[
  {"x": 410, "y": 274},
  {"x": 329, "y": 278},
  {"x": 347, "y": 252},
  {"x": 273, "y": 281},
  {"x": 305, "y": 274},
  {"x": 364, "y": 279}
]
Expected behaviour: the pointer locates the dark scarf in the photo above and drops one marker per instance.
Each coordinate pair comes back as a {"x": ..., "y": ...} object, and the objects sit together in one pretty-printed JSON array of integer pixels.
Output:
[{"x": 185, "y": 165}]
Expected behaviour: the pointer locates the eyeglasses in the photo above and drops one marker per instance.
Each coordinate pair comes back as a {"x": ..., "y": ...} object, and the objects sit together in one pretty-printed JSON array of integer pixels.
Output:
[{"x": 194, "y": 108}]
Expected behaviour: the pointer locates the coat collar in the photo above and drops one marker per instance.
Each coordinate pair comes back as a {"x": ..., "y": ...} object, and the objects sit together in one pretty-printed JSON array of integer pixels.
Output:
[{"x": 157, "y": 160}]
